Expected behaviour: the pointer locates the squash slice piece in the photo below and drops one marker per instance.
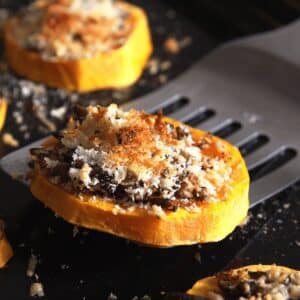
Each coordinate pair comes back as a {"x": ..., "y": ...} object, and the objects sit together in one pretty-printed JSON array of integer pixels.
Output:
[
  {"x": 116, "y": 68},
  {"x": 6, "y": 251},
  {"x": 3, "y": 110},
  {"x": 234, "y": 284},
  {"x": 211, "y": 222}
]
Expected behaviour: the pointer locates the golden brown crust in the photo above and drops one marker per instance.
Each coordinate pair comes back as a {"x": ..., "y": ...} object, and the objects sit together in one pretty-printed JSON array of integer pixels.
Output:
[
  {"x": 5, "y": 249},
  {"x": 58, "y": 30},
  {"x": 208, "y": 286},
  {"x": 118, "y": 68},
  {"x": 212, "y": 222}
]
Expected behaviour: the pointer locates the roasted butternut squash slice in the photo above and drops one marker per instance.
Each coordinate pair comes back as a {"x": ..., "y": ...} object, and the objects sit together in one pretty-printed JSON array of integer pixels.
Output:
[
  {"x": 250, "y": 282},
  {"x": 3, "y": 110},
  {"x": 5, "y": 249},
  {"x": 75, "y": 47},
  {"x": 156, "y": 222}
]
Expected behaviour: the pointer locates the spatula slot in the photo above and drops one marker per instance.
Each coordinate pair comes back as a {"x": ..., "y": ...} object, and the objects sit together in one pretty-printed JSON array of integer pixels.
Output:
[
  {"x": 172, "y": 105},
  {"x": 254, "y": 143},
  {"x": 200, "y": 117},
  {"x": 227, "y": 129},
  {"x": 272, "y": 163}
]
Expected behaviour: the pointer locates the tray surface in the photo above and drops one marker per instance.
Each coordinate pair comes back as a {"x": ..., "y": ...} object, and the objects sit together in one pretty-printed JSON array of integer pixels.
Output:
[{"x": 91, "y": 265}]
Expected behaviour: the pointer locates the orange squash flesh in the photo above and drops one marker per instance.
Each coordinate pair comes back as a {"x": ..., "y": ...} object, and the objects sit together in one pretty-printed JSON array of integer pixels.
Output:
[
  {"x": 3, "y": 110},
  {"x": 118, "y": 68},
  {"x": 6, "y": 251},
  {"x": 212, "y": 223},
  {"x": 207, "y": 285}
]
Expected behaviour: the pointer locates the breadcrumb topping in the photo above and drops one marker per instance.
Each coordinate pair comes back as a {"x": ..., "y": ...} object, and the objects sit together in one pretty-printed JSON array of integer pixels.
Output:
[
  {"x": 276, "y": 283},
  {"x": 135, "y": 158},
  {"x": 72, "y": 29}
]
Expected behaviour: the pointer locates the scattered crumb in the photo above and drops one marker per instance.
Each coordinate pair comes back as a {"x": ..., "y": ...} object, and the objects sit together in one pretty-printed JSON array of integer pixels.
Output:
[
  {"x": 252, "y": 118},
  {"x": 185, "y": 42},
  {"x": 32, "y": 263},
  {"x": 23, "y": 128},
  {"x": 259, "y": 216},
  {"x": 145, "y": 297},
  {"x": 26, "y": 135},
  {"x": 297, "y": 243},
  {"x": 162, "y": 78},
  {"x": 44, "y": 120},
  {"x": 65, "y": 267},
  {"x": 153, "y": 66},
  {"x": 36, "y": 290},
  {"x": 165, "y": 65},
  {"x": 75, "y": 231},
  {"x": 198, "y": 257},
  {"x": 9, "y": 140},
  {"x": 171, "y": 45},
  {"x": 50, "y": 230},
  {"x": 59, "y": 112},
  {"x": 112, "y": 296}
]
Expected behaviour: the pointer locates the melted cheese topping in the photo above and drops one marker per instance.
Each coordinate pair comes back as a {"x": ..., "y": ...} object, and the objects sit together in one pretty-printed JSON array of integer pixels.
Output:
[
  {"x": 71, "y": 29},
  {"x": 135, "y": 157}
]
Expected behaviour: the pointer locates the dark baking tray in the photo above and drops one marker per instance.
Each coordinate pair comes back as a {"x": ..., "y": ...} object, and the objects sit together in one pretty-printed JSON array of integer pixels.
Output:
[{"x": 92, "y": 265}]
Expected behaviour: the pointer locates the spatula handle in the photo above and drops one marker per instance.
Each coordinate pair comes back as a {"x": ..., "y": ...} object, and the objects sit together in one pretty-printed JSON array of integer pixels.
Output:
[{"x": 283, "y": 42}]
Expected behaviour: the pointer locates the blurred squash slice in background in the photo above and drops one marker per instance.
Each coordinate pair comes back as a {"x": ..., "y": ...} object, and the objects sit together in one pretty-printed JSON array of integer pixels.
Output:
[{"x": 79, "y": 45}]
